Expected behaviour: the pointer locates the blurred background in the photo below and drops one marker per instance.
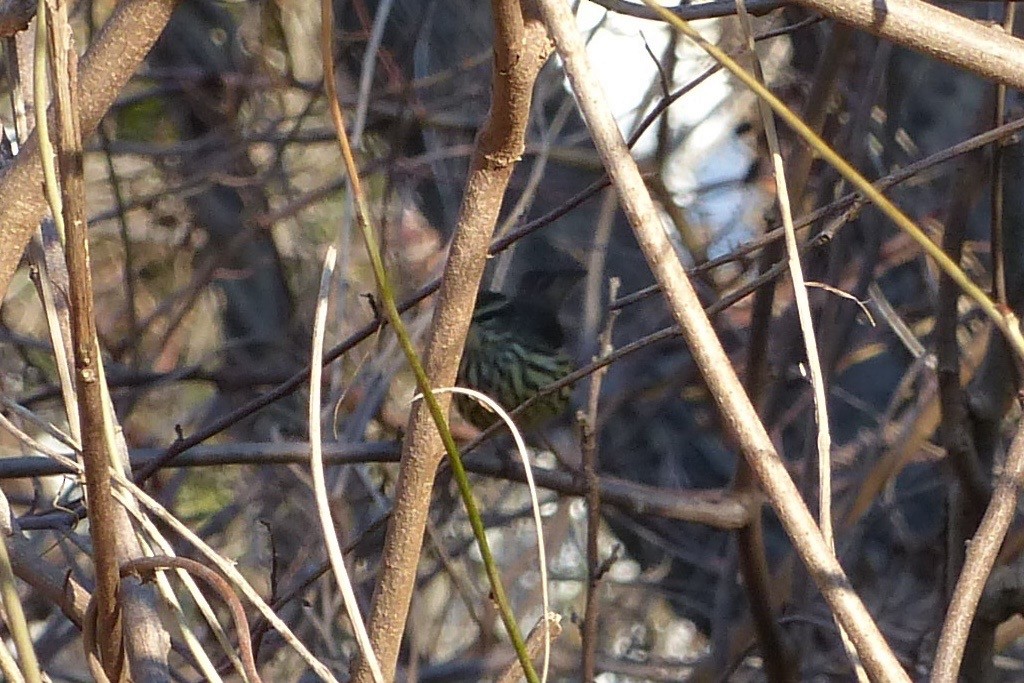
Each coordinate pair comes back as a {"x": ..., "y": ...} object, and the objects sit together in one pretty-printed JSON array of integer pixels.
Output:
[{"x": 215, "y": 185}]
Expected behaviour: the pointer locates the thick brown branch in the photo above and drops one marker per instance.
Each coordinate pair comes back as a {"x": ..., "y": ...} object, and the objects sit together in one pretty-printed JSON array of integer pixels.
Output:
[
  {"x": 521, "y": 48},
  {"x": 95, "y": 455},
  {"x": 111, "y": 60}
]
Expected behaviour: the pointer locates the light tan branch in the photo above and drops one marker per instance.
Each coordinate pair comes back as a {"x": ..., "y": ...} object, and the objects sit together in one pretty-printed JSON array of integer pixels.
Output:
[
  {"x": 735, "y": 406},
  {"x": 981, "y": 556},
  {"x": 987, "y": 51}
]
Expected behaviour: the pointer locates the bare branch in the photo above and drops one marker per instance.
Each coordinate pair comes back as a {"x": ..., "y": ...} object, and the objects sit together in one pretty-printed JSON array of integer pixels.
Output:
[
  {"x": 520, "y": 49},
  {"x": 739, "y": 413},
  {"x": 111, "y": 60}
]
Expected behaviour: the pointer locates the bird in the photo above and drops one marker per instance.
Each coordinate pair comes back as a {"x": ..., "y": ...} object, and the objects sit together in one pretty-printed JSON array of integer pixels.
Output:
[{"x": 516, "y": 347}]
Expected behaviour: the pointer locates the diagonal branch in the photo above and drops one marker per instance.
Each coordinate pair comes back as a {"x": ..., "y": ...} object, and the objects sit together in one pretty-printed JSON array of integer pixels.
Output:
[
  {"x": 111, "y": 60},
  {"x": 735, "y": 406}
]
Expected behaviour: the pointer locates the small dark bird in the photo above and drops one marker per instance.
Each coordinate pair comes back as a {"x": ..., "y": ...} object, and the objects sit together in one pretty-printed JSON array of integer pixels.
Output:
[{"x": 515, "y": 348}]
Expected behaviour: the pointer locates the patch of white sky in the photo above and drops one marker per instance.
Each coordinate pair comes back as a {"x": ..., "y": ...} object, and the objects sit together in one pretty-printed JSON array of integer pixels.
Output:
[{"x": 706, "y": 151}]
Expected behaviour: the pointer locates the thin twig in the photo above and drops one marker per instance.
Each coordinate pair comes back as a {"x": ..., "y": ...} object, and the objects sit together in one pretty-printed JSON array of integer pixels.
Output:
[
  {"x": 538, "y": 524},
  {"x": 803, "y": 306},
  {"x": 996, "y": 196},
  {"x": 588, "y": 425},
  {"x": 13, "y": 611},
  {"x": 323, "y": 505},
  {"x": 366, "y": 73},
  {"x": 195, "y": 647}
]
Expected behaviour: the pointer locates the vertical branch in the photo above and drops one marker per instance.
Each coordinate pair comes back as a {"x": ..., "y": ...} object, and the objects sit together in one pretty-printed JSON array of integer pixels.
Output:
[
  {"x": 592, "y": 495},
  {"x": 779, "y": 658},
  {"x": 316, "y": 463},
  {"x": 14, "y": 613},
  {"x": 88, "y": 375},
  {"x": 955, "y": 427},
  {"x": 520, "y": 49},
  {"x": 996, "y": 197},
  {"x": 46, "y": 252},
  {"x": 595, "y": 568},
  {"x": 774, "y": 647}
]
